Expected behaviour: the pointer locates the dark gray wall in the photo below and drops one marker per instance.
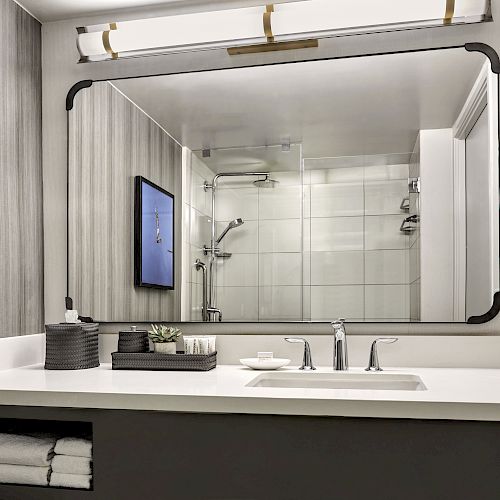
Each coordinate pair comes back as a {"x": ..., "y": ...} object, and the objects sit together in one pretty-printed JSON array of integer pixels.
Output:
[
  {"x": 21, "y": 217},
  {"x": 112, "y": 141}
]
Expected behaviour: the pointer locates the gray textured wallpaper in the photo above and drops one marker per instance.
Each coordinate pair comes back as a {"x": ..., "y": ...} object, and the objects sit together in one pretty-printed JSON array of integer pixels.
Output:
[
  {"x": 21, "y": 223},
  {"x": 111, "y": 141}
]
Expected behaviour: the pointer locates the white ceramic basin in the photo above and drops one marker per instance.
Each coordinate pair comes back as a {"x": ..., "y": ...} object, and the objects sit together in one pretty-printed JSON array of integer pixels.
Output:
[{"x": 340, "y": 380}]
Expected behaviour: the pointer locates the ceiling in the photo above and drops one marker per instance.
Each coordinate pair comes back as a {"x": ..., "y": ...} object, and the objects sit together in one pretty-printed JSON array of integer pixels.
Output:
[
  {"x": 56, "y": 10},
  {"x": 347, "y": 107}
]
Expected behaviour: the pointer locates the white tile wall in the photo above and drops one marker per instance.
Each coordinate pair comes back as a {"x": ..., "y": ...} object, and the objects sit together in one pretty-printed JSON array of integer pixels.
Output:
[
  {"x": 238, "y": 270},
  {"x": 337, "y": 200},
  {"x": 238, "y": 303},
  {"x": 283, "y": 235},
  {"x": 386, "y": 172},
  {"x": 280, "y": 203},
  {"x": 278, "y": 303},
  {"x": 200, "y": 229},
  {"x": 331, "y": 302},
  {"x": 347, "y": 246},
  {"x": 336, "y": 175},
  {"x": 387, "y": 301},
  {"x": 415, "y": 300},
  {"x": 414, "y": 257},
  {"x": 287, "y": 178},
  {"x": 385, "y": 197},
  {"x": 337, "y": 268},
  {"x": 280, "y": 269},
  {"x": 386, "y": 267},
  {"x": 241, "y": 203},
  {"x": 382, "y": 233},
  {"x": 336, "y": 234}
]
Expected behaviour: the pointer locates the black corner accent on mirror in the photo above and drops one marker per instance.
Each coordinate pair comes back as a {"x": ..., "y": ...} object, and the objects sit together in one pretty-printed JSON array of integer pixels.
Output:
[
  {"x": 495, "y": 309},
  {"x": 84, "y": 84},
  {"x": 488, "y": 51},
  {"x": 69, "y": 303}
]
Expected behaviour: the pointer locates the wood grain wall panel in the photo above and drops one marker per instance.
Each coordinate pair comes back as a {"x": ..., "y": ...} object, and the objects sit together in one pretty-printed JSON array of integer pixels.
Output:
[
  {"x": 21, "y": 210},
  {"x": 111, "y": 141}
]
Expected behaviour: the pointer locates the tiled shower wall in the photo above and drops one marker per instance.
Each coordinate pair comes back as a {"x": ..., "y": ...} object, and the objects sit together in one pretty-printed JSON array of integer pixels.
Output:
[
  {"x": 414, "y": 240},
  {"x": 263, "y": 278},
  {"x": 356, "y": 260},
  {"x": 196, "y": 212},
  {"x": 321, "y": 245}
]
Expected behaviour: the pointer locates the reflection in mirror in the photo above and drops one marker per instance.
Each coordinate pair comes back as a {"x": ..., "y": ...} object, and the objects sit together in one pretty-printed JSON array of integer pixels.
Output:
[{"x": 362, "y": 188}]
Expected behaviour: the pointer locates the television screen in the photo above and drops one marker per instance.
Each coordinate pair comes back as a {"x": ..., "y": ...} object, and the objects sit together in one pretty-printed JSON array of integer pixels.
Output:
[{"x": 154, "y": 235}]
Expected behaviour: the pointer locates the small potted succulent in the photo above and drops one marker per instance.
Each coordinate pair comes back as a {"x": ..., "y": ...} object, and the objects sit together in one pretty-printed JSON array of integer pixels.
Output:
[{"x": 164, "y": 338}]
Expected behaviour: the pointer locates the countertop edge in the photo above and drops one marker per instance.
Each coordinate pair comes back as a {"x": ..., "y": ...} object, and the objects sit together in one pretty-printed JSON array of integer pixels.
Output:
[{"x": 256, "y": 406}]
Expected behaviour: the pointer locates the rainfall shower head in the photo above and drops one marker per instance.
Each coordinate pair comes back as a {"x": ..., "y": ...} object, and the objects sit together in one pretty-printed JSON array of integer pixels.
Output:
[
  {"x": 234, "y": 223},
  {"x": 265, "y": 183}
]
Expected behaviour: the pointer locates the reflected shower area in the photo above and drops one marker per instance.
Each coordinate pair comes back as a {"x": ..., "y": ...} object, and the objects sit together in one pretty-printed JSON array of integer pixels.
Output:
[
  {"x": 246, "y": 217},
  {"x": 276, "y": 236}
]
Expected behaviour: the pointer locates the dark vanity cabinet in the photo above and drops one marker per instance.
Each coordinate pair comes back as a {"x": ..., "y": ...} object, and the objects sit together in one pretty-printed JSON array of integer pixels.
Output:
[{"x": 159, "y": 455}]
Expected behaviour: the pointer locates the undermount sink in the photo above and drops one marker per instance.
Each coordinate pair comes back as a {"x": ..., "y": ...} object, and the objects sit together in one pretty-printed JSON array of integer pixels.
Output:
[{"x": 340, "y": 380}]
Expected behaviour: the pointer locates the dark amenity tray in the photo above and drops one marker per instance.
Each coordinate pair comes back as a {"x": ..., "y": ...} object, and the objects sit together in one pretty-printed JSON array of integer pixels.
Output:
[{"x": 157, "y": 361}]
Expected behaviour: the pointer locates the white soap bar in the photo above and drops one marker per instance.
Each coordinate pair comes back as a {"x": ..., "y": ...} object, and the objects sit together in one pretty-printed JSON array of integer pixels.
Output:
[{"x": 263, "y": 356}]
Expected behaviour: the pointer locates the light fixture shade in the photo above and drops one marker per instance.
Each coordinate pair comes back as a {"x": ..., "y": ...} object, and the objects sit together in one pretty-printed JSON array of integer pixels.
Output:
[
  {"x": 296, "y": 20},
  {"x": 184, "y": 31},
  {"x": 337, "y": 17}
]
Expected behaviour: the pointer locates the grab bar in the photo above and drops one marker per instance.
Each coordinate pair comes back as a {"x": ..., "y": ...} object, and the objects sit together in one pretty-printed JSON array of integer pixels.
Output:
[
  {"x": 412, "y": 219},
  {"x": 204, "y": 309}
]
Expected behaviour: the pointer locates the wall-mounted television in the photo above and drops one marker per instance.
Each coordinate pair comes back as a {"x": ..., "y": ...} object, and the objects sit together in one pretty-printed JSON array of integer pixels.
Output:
[{"x": 154, "y": 236}]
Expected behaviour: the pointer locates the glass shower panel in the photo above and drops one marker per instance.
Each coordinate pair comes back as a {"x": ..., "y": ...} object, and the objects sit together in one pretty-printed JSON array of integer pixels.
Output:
[
  {"x": 356, "y": 257},
  {"x": 257, "y": 271}
]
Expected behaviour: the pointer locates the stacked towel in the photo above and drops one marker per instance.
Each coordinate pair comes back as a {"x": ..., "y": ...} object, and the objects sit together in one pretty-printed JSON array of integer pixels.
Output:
[
  {"x": 71, "y": 465},
  {"x": 25, "y": 459}
]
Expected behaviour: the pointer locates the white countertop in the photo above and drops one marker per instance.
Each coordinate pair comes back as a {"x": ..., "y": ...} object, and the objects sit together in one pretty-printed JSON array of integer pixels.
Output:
[{"x": 458, "y": 394}]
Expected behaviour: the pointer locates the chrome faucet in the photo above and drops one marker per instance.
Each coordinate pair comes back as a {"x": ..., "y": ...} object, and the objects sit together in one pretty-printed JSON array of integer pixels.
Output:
[
  {"x": 340, "y": 360},
  {"x": 307, "y": 362},
  {"x": 373, "y": 364}
]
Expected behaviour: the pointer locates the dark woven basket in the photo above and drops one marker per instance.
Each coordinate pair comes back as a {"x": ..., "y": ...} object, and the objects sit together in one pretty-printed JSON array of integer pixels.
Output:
[
  {"x": 72, "y": 346},
  {"x": 133, "y": 341},
  {"x": 157, "y": 361}
]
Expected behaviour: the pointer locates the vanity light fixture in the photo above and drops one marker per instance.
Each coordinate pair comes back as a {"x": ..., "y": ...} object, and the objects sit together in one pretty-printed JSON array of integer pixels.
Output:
[{"x": 284, "y": 26}]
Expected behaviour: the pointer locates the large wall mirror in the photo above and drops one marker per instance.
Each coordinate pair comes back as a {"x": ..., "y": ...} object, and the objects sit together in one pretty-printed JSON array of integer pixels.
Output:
[{"x": 363, "y": 188}]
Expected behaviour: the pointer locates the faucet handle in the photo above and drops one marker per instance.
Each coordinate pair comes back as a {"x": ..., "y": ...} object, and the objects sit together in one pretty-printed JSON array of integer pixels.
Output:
[
  {"x": 373, "y": 363},
  {"x": 307, "y": 363}
]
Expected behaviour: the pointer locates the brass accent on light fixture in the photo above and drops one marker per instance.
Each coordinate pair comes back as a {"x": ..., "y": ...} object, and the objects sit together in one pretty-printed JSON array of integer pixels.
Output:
[
  {"x": 271, "y": 45},
  {"x": 268, "y": 29},
  {"x": 106, "y": 43},
  {"x": 450, "y": 11},
  {"x": 274, "y": 46}
]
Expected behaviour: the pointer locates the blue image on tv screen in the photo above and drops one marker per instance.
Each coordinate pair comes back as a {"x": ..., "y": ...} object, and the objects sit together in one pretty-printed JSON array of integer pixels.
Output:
[{"x": 157, "y": 237}]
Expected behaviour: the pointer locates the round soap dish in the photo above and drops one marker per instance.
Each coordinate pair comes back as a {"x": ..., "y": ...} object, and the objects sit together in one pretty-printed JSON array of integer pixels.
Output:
[{"x": 265, "y": 364}]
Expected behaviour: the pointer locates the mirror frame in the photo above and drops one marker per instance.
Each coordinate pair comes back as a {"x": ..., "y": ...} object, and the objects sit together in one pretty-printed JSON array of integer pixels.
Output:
[{"x": 483, "y": 48}]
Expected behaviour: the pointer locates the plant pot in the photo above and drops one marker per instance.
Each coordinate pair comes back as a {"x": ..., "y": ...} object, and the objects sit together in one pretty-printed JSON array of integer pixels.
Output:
[{"x": 166, "y": 347}]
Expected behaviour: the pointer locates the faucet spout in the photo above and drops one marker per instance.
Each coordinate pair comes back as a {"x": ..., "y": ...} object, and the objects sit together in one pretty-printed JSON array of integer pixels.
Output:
[{"x": 340, "y": 358}]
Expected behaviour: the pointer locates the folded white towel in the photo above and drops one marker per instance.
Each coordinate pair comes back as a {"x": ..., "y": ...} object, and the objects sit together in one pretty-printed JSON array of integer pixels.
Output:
[
  {"x": 24, "y": 474},
  {"x": 76, "y": 447},
  {"x": 26, "y": 450},
  {"x": 70, "y": 480},
  {"x": 71, "y": 465}
]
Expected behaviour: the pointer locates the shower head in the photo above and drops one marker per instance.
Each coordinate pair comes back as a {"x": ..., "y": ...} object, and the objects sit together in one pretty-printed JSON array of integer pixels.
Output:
[
  {"x": 234, "y": 223},
  {"x": 266, "y": 183}
]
